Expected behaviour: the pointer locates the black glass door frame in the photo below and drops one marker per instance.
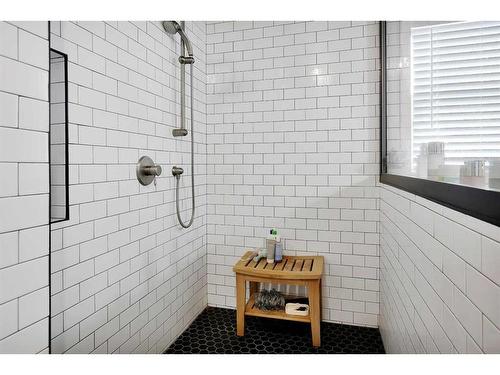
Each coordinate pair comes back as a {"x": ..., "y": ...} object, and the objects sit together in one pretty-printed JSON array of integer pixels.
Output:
[{"x": 479, "y": 203}]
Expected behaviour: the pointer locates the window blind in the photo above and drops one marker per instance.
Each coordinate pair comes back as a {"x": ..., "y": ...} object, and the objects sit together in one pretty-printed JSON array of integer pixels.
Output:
[{"x": 456, "y": 89}]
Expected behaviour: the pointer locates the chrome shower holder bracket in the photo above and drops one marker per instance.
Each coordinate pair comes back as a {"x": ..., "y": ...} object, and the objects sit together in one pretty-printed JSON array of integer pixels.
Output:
[
  {"x": 186, "y": 59},
  {"x": 177, "y": 171}
]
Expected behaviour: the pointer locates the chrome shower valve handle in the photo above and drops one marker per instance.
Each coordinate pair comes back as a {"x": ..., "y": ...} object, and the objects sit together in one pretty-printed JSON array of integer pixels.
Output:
[{"x": 154, "y": 170}]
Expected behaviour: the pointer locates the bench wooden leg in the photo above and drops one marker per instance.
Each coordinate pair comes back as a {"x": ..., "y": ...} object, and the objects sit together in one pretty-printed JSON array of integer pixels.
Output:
[
  {"x": 315, "y": 310},
  {"x": 240, "y": 305},
  {"x": 320, "y": 301}
]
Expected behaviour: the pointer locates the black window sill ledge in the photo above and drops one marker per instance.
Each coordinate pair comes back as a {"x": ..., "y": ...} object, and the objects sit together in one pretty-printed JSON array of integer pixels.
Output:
[{"x": 479, "y": 203}]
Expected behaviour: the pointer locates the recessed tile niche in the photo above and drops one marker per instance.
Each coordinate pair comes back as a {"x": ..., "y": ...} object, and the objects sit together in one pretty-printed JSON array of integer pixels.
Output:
[{"x": 59, "y": 208}]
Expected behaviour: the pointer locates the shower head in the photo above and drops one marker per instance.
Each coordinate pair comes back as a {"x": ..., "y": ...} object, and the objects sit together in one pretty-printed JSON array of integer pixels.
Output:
[{"x": 173, "y": 27}]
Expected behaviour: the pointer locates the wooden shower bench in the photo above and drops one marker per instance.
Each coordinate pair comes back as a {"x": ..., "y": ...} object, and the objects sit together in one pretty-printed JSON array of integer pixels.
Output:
[{"x": 296, "y": 270}]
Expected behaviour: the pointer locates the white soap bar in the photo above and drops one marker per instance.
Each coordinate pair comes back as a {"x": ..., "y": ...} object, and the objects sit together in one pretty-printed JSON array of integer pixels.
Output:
[{"x": 295, "y": 309}]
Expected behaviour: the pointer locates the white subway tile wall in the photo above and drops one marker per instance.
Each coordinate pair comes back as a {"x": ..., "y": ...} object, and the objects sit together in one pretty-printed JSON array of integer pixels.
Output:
[
  {"x": 440, "y": 290},
  {"x": 292, "y": 144},
  {"x": 24, "y": 188},
  {"x": 125, "y": 277},
  {"x": 286, "y": 117}
]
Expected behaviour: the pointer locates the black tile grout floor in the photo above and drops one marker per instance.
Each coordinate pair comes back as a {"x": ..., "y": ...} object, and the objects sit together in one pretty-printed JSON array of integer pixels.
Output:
[{"x": 214, "y": 332}]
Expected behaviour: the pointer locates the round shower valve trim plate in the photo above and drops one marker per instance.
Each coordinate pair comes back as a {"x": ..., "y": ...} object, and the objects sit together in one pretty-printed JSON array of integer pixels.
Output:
[{"x": 147, "y": 170}]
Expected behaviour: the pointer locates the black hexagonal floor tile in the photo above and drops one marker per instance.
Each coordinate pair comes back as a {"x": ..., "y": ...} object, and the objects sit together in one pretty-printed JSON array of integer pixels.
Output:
[{"x": 214, "y": 332}]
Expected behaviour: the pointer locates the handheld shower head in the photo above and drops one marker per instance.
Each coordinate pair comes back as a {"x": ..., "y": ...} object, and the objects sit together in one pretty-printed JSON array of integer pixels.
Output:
[
  {"x": 173, "y": 27},
  {"x": 170, "y": 27}
]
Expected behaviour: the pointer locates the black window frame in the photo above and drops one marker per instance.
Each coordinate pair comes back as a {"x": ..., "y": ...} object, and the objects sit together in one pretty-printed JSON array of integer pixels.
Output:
[
  {"x": 66, "y": 140},
  {"x": 479, "y": 203}
]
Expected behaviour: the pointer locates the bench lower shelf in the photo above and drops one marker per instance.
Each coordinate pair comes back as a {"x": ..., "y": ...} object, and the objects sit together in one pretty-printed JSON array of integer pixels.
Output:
[{"x": 251, "y": 310}]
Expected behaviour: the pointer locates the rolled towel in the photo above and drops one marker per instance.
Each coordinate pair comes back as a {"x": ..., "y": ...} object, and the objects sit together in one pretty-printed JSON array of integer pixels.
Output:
[
  {"x": 269, "y": 300},
  {"x": 297, "y": 309}
]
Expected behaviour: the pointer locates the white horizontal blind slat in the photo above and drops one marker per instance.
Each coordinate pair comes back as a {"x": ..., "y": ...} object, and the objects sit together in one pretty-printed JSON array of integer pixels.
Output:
[{"x": 456, "y": 89}]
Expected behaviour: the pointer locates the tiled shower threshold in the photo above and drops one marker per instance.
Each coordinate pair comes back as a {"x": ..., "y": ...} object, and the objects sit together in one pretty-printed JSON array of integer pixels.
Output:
[{"x": 214, "y": 332}]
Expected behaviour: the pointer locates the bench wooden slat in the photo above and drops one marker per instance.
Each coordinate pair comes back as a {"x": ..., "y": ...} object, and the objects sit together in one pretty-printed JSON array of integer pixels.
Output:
[
  {"x": 307, "y": 265},
  {"x": 291, "y": 267},
  {"x": 247, "y": 261},
  {"x": 281, "y": 265},
  {"x": 269, "y": 266},
  {"x": 298, "y": 265},
  {"x": 252, "y": 264},
  {"x": 262, "y": 263},
  {"x": 289, "y": 264},
  {"x": 317, "y": 265}
]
